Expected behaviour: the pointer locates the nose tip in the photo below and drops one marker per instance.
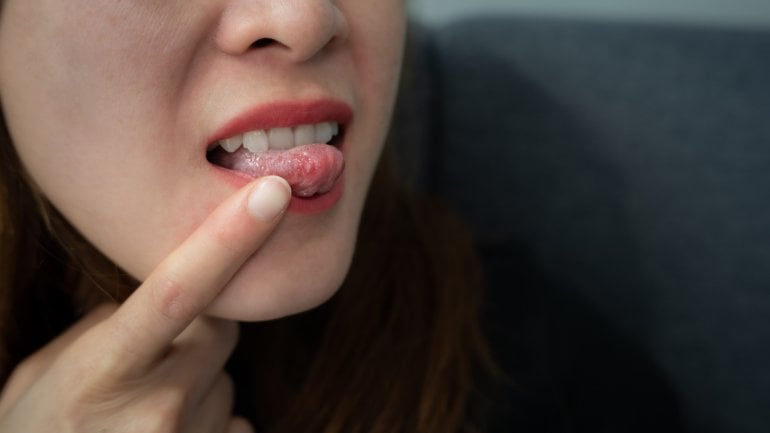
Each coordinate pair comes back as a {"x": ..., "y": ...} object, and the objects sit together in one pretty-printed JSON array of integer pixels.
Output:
[{"x": 298, "y": 28}]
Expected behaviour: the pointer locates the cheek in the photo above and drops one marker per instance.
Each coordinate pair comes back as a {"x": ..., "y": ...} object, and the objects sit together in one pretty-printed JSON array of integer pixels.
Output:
[
  {"x": 378, "y": 38},
  {"x": 88, "y": 95},
  {"x": 378, "y": 53}
]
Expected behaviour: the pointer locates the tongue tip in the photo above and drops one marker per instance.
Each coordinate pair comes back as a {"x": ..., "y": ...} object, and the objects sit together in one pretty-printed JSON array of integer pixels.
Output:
[{"x": 316, "y": 172}]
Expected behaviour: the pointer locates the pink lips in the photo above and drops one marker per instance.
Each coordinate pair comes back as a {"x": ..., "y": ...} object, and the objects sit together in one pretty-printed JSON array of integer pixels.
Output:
[
  {"x": 277, "y": 115},
  {"x": 314, "y": 171}
]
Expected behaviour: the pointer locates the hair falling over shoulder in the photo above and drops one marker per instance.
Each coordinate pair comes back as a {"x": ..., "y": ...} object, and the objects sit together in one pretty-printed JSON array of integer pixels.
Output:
[{"x": 398, "y": 349}]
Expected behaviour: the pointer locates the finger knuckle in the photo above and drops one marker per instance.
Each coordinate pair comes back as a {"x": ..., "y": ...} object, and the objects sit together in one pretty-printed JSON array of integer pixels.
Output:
[
  {"x": 223, "y": 238},
  {"x": 170, "y": 297}
]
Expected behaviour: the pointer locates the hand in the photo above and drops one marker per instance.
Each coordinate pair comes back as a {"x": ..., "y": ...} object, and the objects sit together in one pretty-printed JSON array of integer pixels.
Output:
[{"x": 153, "y": 364}]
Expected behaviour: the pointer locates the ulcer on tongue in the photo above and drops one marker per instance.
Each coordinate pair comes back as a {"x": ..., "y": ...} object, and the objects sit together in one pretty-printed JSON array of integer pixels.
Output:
[{"x": 310, "y": 169}]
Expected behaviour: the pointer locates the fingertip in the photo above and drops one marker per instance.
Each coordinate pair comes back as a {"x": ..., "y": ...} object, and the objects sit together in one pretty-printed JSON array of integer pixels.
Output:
[{"x": 269, "y": 198}]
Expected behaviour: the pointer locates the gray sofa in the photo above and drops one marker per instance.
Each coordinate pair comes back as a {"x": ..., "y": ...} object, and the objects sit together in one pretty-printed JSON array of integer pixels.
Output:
[{"x": 632, "y": 163}]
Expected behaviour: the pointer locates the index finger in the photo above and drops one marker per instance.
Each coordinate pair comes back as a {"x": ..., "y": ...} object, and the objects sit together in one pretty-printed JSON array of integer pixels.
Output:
[{"x": 192, "y": 276}]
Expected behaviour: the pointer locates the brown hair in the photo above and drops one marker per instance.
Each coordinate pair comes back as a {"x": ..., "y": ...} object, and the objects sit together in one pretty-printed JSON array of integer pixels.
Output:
[{"x": 398, "y": 349}]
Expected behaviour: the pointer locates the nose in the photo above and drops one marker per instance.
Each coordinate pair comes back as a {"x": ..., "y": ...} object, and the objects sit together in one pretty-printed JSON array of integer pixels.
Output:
[{"x": 299, "y": 29}]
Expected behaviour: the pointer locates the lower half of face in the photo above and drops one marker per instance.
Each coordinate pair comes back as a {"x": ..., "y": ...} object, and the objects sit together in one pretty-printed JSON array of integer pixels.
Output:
[{"x": 117, "y": 123}]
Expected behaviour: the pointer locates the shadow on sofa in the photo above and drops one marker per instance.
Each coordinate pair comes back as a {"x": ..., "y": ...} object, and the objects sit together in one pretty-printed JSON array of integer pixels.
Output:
[{"x": 628, "y": 164}]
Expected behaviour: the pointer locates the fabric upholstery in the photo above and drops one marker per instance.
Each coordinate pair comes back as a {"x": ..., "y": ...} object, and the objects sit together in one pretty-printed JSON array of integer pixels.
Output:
[{"x": 632, "y": 161}]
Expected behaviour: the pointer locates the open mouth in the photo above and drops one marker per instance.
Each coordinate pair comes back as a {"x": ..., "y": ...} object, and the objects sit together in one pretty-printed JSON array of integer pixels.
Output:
[{"x": 308, "y": 156}]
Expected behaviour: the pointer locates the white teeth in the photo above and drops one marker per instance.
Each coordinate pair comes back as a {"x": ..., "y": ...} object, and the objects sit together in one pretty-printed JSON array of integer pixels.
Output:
[
  {"x": 281, "y": 138},
  {"x": 324, "y": 132},
  {"x": 304, "y": 134},
  {"x": 231, "y": 144},
  {"x": 256, "y": 141}
]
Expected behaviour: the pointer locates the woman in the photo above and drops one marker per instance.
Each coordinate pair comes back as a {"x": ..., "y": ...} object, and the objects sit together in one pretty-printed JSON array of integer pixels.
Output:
[
  {"x": 136, "y": 132},
  {"x": 172, "y": 168}
]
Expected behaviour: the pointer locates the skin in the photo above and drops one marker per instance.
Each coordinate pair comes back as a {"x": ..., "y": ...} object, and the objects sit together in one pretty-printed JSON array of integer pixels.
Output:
[{"x": 109, "y": 105}]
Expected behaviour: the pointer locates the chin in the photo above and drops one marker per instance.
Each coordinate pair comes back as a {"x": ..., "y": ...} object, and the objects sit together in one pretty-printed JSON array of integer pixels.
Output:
[
  {"x": 256, "y": 298},
  {"x": 302, "y": 265},
  {"x": 265, "y": 288}
]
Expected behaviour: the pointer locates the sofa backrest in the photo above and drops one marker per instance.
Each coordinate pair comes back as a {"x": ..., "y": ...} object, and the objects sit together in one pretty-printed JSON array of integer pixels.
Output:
[{"x": 634, "y": 162}]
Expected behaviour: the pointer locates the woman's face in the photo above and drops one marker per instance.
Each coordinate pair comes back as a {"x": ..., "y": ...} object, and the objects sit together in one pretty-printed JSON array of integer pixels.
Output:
[{"x": 116, "y": 107}]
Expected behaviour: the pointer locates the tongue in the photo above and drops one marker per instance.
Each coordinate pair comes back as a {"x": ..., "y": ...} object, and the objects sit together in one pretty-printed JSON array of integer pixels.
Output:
[{"x": 310, "y": 169}]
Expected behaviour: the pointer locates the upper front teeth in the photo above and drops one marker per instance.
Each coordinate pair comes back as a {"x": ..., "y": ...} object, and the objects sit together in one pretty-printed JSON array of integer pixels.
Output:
[{"x": 281, "y": 138}]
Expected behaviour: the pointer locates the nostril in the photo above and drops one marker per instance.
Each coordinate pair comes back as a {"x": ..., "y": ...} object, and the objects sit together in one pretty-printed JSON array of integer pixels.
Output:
[{"x": 263, "y": 42}]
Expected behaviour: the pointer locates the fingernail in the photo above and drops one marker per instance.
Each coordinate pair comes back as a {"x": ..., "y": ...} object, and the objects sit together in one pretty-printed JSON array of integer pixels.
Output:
[{"x": 269, "y": 198}]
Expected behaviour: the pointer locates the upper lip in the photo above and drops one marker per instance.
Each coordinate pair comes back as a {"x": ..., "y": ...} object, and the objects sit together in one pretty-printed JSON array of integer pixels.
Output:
[{"x": 284, "y": 114}]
